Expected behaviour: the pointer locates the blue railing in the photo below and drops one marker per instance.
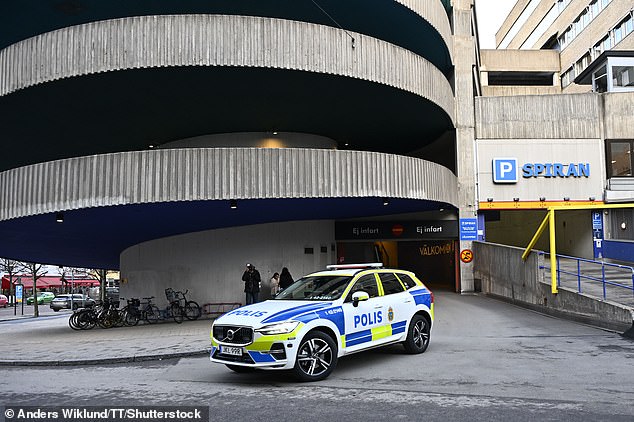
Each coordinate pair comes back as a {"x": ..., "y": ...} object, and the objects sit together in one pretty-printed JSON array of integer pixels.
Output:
[{"x": 594, "y": 273}]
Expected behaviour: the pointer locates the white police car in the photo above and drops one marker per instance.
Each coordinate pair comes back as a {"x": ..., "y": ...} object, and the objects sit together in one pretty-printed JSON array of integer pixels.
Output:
[{"x": 323, "y": 316}]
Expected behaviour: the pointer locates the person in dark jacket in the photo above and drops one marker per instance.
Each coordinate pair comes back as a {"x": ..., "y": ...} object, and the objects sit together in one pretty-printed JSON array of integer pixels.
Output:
[
  {"x": 285, "y": 278},
  {"x": 252, "y": 280}
]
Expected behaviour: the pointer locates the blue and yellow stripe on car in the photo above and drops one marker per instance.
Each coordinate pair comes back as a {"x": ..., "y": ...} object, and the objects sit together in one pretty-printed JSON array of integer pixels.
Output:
[{"x": 373, "y": 334}]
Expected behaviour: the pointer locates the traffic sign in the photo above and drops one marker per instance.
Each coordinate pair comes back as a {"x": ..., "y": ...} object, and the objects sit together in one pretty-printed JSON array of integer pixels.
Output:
[
  {"x": 466, "y": 255},
  {"x": 18, "y": 292}
]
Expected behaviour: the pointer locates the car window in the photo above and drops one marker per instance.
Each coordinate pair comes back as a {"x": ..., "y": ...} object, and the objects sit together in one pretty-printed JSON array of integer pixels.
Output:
[
  {"x": 367, "y": 283},
  {"x": 327, "y": 287},
  {"x": 406, "y": 280},
  {"x": 390, "y": 283}
]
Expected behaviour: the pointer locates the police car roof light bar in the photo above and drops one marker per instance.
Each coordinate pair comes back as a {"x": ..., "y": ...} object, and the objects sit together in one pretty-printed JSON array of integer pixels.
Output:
[{"x": 355, "y": 266}]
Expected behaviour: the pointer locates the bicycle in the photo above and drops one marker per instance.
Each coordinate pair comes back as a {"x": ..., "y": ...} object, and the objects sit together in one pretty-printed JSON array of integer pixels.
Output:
[
  {"x": 84, "y": 318},
  {"x": 150, "y": 312},
  {"x": 187, "y": 308},
  {"x": 192, "y": 309},
  {"x": 109, "y": 316},
  {"x": 174, "y": 310}
]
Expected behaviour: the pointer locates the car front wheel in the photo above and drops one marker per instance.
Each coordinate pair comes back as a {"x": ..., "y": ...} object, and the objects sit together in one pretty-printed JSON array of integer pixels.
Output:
[
  {"x": 417, "y": 335},
  {"x": 316, "y": 357}
]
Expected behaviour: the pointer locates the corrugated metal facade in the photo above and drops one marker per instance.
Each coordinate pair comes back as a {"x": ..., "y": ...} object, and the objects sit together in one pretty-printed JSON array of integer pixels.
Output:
[
  {"x": 218, "y": 40},
  {"x": 218, "y": 173}
]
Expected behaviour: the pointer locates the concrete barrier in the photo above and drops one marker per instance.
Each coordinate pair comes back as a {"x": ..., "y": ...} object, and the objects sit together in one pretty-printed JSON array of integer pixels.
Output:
[{"x": 502, "y": 274}]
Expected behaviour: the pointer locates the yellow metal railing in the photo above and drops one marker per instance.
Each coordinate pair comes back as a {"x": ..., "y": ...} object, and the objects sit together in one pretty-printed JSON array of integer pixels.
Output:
[{"x": 549, "y": 220}]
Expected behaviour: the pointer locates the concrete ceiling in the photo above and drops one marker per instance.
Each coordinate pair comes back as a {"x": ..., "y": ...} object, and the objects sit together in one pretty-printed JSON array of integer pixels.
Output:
[{"x": 94, "y": 237}]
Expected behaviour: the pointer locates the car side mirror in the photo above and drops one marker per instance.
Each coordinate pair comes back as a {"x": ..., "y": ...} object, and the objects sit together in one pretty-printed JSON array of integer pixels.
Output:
[{"x": 358, "y": 297}]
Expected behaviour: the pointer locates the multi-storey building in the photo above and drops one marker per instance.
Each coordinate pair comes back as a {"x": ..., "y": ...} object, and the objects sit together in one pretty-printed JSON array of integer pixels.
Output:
[
  {"x": 179, "y": 140},
  {"x": 562, "y": 80}
]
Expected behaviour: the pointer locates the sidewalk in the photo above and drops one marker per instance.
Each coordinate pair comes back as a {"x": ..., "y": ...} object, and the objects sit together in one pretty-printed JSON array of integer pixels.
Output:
[{"x": 49, "y": 341}]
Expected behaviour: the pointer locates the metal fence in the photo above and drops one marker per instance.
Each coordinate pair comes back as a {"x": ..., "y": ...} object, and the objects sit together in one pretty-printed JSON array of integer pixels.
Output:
[{"x": 596, "y": 278}]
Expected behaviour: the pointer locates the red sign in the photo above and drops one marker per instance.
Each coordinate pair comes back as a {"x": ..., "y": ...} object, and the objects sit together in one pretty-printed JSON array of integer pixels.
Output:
[{"x": 397, "y": 230}]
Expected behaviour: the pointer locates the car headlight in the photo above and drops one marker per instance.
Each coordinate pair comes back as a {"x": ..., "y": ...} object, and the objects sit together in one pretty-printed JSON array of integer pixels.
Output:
[{"x": 281, "y": 328}]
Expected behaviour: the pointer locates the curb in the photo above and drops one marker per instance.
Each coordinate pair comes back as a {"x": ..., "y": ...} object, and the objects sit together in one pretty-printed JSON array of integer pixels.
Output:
[{"x": 104, "y": 361}]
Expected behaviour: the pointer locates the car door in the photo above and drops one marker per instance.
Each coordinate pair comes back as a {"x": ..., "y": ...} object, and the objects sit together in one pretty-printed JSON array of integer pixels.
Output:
[
  {"x": 399, "y": 305},
  {"x": 362, "y": 322}
]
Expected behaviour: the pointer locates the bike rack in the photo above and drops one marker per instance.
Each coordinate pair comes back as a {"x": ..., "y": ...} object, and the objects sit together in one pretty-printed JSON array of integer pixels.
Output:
[{"x": 219, "y": 308}]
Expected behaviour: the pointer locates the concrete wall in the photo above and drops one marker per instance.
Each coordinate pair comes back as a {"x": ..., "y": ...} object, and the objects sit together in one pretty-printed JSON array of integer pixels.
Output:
[
  {"x": 210, "y": 263},
  {"x": 499, "y": 91},
  {"x": 618, "y": 115},
  {"x": 519, "y": 60},
  {"x": 113, "y": 45},
  {"x": 581, "y": 116},
  {"x": 539, "y": 117},
  {"x": 517, "y": 228},
  {"x": 465, "y": 51},
  {"x": 501, "y": 273}
]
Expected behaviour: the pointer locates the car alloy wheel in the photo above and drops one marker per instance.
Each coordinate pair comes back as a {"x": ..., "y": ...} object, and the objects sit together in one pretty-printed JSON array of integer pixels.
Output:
[
  {"x": 418, "y": 335},
  {"x": 316, "y": 357}
]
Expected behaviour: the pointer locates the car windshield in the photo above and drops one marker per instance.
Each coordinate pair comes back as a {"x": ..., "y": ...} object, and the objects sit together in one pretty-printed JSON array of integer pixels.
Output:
[{"x": 325, "y": 287}]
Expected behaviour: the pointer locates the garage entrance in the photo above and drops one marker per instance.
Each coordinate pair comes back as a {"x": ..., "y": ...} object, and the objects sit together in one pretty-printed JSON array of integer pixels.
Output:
[{"x": 425, "y": 248}]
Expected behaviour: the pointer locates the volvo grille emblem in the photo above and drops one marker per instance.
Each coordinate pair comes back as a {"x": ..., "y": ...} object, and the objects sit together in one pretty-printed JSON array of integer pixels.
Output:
[{"x": 230, "y": 334}]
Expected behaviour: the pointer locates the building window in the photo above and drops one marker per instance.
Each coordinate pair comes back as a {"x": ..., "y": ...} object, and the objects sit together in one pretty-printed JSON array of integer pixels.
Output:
[
  {"x": 600, "y": 80},
  {"x": 622, "y": 224},
  {"x": 582, "y": 20},
  {"x": 619, "y": 154},
  {"x": 623, "y": 76},
  {"x": 629, "y": 24},
  {"x": 567, "y": 77}
]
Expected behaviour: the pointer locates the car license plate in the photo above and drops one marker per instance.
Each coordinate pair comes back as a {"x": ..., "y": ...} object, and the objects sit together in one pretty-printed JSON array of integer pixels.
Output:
[{"x": 234, "y": 351}]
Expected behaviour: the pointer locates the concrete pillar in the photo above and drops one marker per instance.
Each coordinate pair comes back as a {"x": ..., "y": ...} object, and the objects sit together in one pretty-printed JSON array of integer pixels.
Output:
[{"x": 465, "y": 51}]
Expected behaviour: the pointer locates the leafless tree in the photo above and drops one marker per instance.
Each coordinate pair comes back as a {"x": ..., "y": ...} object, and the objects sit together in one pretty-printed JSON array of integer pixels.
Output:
[
  {"x": 11, "y": 268},
  {"x": 37, "y": 271},
  {"x": 100, "y": 275}
]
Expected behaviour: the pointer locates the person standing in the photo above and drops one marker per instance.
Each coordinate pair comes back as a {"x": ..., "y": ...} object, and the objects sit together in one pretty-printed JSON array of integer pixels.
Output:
[
  {"x": 275, "y": 284},
  {"x": 252, "y": 280},
  {"x": 285, "y": 279}
]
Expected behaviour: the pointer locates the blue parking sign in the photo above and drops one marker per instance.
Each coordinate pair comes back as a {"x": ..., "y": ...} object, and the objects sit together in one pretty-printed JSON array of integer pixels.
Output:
[{"x": 505, "y": 170}]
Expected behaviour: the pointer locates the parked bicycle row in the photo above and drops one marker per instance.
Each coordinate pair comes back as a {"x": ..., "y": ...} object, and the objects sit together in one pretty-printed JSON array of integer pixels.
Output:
[{"x": 108, "y": 314}]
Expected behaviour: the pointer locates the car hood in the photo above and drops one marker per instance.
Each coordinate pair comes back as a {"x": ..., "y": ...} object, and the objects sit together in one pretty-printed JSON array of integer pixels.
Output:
[{"x": 270, "y": 312}]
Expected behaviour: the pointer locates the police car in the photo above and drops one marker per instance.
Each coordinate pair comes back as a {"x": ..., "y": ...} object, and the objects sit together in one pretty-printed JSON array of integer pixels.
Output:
[{"x": 323, "y": 316}]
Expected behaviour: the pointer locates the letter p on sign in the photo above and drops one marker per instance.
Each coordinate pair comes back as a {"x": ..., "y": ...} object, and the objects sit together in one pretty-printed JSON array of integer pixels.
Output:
[{"x": 505, "y": 170}]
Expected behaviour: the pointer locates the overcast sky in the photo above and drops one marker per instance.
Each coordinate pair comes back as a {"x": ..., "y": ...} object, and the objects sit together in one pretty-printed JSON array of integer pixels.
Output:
[{"x": 491, "y": 14}]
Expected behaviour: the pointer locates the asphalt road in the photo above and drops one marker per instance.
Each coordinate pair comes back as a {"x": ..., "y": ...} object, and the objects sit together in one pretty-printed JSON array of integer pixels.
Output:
[{"x": 487, "y": 361}]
